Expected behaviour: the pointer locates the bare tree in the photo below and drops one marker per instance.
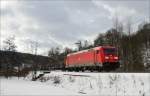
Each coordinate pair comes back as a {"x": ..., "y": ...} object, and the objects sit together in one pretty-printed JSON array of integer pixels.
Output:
[
  {"x": 34, "y": 50},
  {"x": 34, "y": 47},
  {"x": 118, "y": 36},
  {"x": 55, "y": 54},
  {"x": 117, "y": 33},
  {"x": 9, "y": 44},
  {"x": 130, "y": 58}
]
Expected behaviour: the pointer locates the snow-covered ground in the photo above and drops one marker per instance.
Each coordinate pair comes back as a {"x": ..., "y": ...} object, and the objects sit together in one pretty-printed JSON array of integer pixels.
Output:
[
  {"x": 17, "y": 87},
  {"x": 77, "y": 83}
]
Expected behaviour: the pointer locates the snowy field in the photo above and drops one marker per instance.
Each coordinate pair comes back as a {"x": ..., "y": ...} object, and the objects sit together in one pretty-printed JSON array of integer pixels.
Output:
[
  {"x": 77, "y": 83},
  {"x": 15, "y": 87}
]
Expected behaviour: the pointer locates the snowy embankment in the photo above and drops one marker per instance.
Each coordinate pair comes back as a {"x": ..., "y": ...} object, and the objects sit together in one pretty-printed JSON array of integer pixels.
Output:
[{"x": 76, "y": 83}]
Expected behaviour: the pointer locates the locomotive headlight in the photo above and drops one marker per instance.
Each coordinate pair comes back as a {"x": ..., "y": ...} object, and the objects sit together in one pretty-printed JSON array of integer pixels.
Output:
[
  {"x": 106, "y": 57},
  {"x": 115, "y": 57}
]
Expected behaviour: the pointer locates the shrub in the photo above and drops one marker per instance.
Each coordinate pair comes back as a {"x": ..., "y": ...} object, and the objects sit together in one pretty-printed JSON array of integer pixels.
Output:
[{"x": 57, "y": 80}]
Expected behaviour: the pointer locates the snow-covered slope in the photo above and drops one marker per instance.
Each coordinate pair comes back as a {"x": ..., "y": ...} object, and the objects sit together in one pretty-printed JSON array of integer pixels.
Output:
[
  {"x": 109, "y": 84},
  {"x": 77, "y": 83}
]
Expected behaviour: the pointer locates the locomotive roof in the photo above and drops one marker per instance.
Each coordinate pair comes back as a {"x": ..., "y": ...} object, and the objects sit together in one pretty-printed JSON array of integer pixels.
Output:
[{"x": 95, "y": 48}]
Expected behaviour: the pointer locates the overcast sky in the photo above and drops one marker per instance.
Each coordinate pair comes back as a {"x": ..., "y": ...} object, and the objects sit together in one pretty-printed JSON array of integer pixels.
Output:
[{"x": 63, "y": 22}]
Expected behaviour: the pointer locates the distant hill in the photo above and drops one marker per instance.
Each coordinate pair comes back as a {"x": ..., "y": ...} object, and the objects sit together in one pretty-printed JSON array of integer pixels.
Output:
[{"x": 10, "y": 59}]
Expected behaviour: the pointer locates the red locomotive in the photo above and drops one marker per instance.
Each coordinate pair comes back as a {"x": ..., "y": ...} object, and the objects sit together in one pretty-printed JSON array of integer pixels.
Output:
[{"x": 102, "y": 57}]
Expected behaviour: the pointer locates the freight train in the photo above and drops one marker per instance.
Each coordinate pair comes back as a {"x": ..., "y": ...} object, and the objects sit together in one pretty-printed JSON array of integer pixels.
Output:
[{"x": 98, "y": 58}]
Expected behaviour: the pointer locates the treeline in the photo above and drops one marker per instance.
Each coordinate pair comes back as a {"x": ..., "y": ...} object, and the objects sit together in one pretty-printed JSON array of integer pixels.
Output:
[{"x": 133, "y": 47}]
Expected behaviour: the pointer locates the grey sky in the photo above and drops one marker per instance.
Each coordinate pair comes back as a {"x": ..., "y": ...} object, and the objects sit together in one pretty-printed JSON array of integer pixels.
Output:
[{"x": 63, "y": 22}]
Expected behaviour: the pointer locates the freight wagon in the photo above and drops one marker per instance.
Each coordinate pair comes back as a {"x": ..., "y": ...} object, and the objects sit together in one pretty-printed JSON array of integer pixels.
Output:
[{"x": 98, "y": 58}]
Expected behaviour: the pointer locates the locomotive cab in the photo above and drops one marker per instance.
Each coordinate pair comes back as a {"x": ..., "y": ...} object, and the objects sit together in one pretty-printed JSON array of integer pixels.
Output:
[
  {"x": 110, "y": 58},
  {"x": 110, "y": 55}
]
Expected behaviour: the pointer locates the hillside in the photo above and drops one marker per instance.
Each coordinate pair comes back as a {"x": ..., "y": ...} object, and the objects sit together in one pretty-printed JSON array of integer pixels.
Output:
[{"x": 9, "y": 60}]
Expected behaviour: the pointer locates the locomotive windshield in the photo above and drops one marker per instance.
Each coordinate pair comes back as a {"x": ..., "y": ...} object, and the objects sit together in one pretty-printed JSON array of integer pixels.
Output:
[{"x": 110, "y": 51}]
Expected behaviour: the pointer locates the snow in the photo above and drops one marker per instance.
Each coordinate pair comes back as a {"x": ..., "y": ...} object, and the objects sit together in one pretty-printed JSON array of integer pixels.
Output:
[
  {"x": 78, "y": 83},
  {"x": 111, "y": 84},
  {"x": 14, "y": 87}
]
